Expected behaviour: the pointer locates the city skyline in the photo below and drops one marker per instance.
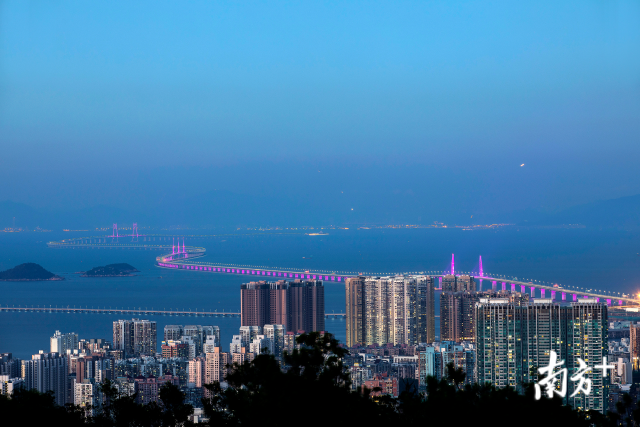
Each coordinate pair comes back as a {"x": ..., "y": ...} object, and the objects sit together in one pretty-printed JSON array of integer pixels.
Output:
[{"x": 401, "y": 213}]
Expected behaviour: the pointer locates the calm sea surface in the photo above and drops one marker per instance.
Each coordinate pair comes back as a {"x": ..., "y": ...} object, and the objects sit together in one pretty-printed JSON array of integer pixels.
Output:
[{"x": 608, "y": 260}]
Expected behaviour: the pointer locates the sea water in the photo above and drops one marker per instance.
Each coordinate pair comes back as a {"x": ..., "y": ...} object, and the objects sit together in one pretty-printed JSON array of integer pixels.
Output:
[{"x": 607, "y": 260}]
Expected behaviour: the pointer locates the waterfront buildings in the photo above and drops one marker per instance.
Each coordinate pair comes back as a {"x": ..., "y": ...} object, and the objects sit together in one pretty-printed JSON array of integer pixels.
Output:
[
  {"x": 396, "y": 310},
  {"x": 457, "y": 307},
  {"x": 457, "y": 302},
  {"x": 513, "y": 340},
  {"x": 299, "y": 305},
  {"x": 10, "y": 366},
  {"x": 60, "y": 343},
  {"x": 47, "y": 372},
  {"x": 305, "y": 306},
  {"x": 263, "y": 303},
  {"x": 173, "y": 332},
  {"x": 135, "y": 337}
]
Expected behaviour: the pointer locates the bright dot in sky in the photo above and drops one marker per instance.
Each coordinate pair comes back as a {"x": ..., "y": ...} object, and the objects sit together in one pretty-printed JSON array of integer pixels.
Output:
[
  {"x": 351, "y": 208},
  {"x": 522, "y": 165}
]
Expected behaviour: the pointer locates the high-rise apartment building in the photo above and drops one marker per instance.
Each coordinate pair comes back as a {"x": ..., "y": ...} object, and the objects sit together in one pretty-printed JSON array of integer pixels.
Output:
[
  {"x": 210, "y": 331},
  {"x": 147, "y": 389},
  {"x": 10, "y": 366},
  {"x": 135, "y": 337},
  {"x": 261, "y": 345},
  {"x": 171, "y": 349},
  {"x": 456, "y": 316},
  {"x": 248, "y": 334},
  {"x": 86, "y": 395},
  {"x": 210, "y": 343},
  {"x": 276, "y": 334},
  {"x": 96, "y": 366},
  {"x": 457, "y": 302},
  {"x": 299, "y": 305},
  {"x": 196, "y": 332},
  {"x": 236, "y": 345},
  {"x": 457, "y": 307},
  {"x": 197, "y": 372},
  {"x": 263, "y": 303},
  {"x": 9, "y": 384},
  {"x": 173, "y": 332},
  {"x": 60, "y": 343},
  {"x": 513, "y": 339},
  {"x": 433, "y": 360},
  {"x": 305, "y": 306},
  {"x": 145, "y": 340},
  {"x": 634, "y": 346},
  {"x": 47, "y": 371},
  {"x": 123, "y": 337},
  {"x": 216, "y": 366},
  {"x": 354, "y": 309},
  {"x": 197, "y": 335},
  {"x": 425, "y": 310},
  {"x": 397, "y": 310}
]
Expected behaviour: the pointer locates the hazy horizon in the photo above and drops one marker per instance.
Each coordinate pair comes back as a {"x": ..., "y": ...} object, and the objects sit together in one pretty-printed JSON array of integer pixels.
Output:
[{"x": 432, "y": 106}]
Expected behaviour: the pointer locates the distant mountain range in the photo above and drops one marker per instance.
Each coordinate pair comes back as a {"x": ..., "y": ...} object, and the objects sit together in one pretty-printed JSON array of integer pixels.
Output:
[
  {"x": 226, "y": 209},
  {"x": 614, "y": 213}
]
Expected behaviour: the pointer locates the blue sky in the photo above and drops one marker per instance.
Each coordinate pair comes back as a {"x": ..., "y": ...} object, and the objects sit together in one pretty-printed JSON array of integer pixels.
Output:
[{"x": 440, "y": 99}]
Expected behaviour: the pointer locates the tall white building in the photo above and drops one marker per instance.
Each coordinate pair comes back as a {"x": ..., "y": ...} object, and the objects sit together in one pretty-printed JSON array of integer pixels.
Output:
[
  {"x": 87, "y": 396},
  {"x": 47, "y": 371},
  {"x": 60, "y": 343},
  {"x": 209, "y": 330},
  {"x": 209, "y": 344},
  {"x": 8, "y": 384},
  {"x": 236, "y": 344},
  {"x": 261, "y": 345},
  {"x": 276, "y": 334},
  {"x": 248, "y": 333}
]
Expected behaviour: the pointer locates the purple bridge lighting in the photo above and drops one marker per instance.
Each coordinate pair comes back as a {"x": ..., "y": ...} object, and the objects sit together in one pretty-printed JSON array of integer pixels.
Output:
[{"x": 177, "y": 253}]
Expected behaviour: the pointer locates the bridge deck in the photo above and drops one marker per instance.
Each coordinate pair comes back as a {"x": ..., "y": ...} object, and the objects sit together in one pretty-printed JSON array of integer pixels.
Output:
[
  {"x": 183, "y": 260},
  {"x": 134, "y": 311}
]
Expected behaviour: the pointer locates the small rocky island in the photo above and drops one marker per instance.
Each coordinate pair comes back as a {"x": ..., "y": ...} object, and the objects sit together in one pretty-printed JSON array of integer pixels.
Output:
[
  {"x": 111, "y": 270},
  {"x": 29, "y": 272}
]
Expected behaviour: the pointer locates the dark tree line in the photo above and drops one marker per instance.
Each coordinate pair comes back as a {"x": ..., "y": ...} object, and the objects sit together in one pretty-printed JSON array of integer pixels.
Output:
[{"x": 314, "y": 390}]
